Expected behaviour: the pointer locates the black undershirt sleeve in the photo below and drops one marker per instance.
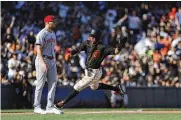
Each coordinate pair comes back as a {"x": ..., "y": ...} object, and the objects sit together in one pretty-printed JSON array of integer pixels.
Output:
[{"x": 79, "y": 48}]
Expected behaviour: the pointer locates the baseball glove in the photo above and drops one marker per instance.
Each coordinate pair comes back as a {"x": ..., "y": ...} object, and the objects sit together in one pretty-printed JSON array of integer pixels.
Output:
[{"x": 67, "y": 56}]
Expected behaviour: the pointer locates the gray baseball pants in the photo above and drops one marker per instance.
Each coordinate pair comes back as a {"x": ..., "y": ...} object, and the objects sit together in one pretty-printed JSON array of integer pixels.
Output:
[{"x": 42, "y": 77}]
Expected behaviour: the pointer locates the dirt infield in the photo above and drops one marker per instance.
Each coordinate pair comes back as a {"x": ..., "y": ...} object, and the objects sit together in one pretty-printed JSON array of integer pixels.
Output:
[{"x": 102, "y": 112}]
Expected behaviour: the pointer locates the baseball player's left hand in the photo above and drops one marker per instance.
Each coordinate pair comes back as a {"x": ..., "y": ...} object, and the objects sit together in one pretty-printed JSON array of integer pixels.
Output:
[{"x": 67, "y": 56}]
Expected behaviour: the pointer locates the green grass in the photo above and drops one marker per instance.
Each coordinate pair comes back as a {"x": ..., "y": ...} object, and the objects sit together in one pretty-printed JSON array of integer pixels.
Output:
[
  {"x": 110, "y": 116},
  {"x": 95, "y": 117},
  {"x": 97, "y": 109}
]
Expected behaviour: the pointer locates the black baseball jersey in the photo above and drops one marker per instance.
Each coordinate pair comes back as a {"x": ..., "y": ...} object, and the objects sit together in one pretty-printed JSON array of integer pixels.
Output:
[{"x": 95, "y": 53}]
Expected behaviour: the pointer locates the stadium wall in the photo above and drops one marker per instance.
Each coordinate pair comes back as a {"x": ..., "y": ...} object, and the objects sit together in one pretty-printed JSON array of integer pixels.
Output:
[
  {"x": 154, "y": 97},
  {"x": 137, "y": 97}
]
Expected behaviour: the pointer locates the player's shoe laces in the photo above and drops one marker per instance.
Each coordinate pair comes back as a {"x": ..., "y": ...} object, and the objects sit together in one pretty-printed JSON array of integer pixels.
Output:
[
  {"x": 54, "y": 110},
  {"x": 60, "y": 104},
  {"x": 39, "y": 111},
  {"x": 121, "y": 91}
]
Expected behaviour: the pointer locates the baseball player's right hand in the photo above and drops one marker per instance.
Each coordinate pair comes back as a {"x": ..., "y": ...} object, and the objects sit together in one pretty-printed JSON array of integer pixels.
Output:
[
  {"x": 44, "y": 67},
  {"x": 116, "y": 51},
  {"x": 67, "y": 56}
]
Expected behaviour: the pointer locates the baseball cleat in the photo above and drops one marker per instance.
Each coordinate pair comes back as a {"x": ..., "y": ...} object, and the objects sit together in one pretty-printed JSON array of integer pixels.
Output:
[
  {"x": 54, "y": 110},
  {"x": 121, "y": 91},
  {"x": 39, "y": 111},
  {"x": 60, "y": 104}
]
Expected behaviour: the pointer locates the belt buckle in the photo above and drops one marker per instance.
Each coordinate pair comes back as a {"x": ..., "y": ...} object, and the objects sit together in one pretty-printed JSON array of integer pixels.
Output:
[
  {"x": 48, "y": 57},
  {"x": 44, "y": 56}
]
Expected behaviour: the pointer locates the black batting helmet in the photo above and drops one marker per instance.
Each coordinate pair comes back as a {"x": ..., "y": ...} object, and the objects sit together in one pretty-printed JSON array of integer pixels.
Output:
[{"x": 96, "y": 34}]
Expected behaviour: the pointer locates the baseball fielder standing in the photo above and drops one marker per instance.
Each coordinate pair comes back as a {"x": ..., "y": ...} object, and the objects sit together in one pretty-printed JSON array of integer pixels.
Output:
[{"x": 45, "y": 65}]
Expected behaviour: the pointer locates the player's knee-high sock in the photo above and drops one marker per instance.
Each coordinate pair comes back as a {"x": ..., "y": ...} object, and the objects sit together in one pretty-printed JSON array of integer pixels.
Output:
[
  {"x": 68, "y": 98},
  {"x": 109, "y": 87},
  {"x": 71, "y": 96}
]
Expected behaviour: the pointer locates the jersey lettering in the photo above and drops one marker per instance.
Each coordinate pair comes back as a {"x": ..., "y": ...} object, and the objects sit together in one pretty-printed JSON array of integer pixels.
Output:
[{"x": 96, "y": 54}]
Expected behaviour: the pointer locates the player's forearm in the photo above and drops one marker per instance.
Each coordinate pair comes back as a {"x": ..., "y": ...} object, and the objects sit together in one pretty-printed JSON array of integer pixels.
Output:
[{"x": 39, "y": 53}]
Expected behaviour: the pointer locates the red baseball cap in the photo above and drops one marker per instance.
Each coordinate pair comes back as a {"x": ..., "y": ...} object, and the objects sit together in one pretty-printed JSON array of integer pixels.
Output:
[{"x": 49, "y": 18}]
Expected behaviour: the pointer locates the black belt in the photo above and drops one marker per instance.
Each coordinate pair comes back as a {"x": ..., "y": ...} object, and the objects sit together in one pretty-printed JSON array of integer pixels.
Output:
[
  {"x": 90, "y": 69},
  {"x": 48, "y": 57}
]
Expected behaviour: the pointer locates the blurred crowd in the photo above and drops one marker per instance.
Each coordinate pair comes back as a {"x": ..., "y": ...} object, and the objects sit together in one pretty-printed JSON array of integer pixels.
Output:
[{"x": 150, "y": 58}]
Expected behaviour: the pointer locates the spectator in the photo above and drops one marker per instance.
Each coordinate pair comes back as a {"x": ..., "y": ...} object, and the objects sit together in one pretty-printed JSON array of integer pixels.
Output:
[
  {"x": 176, "y": 40},
  {"x": 172, "y": 14},
  {"x": 109, "y": 18},
  {"x": 8, "y": 37},
  {"x": 145, "y": 22},
  {"x": 178, "y": 50},
  {"x": 12, "y": 65},
  {"x": 178, "y": 17},
  {"x": 134, "y": 23},
  {"x": 152, "y": 31},
  {"x": 31, "y": 38}
]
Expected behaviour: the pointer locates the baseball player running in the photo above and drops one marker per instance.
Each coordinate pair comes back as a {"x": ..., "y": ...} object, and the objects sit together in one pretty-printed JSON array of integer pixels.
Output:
[
  {"x": 45, "y": 65},
  {"x": 96, "y": 53}
]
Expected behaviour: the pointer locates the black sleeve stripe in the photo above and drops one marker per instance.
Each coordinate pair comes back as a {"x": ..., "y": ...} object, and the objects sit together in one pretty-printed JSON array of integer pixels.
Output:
[{"x": 38, "y": 44}]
